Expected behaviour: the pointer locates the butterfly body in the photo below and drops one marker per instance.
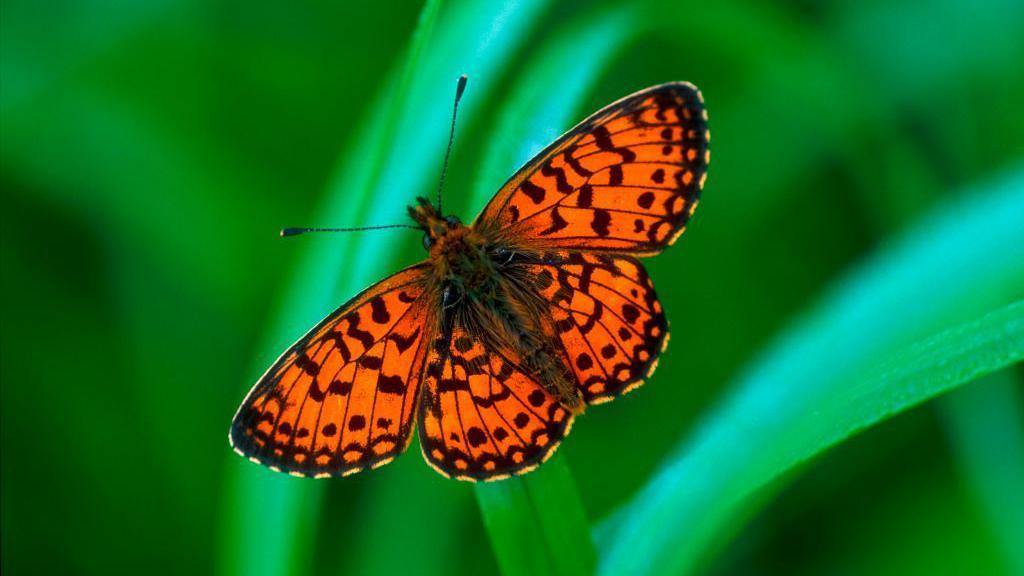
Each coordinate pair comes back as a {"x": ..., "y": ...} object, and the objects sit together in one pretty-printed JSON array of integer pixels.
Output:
[
  {"x": 481, "y": 282},
  {"x": 514, "y": 323}
]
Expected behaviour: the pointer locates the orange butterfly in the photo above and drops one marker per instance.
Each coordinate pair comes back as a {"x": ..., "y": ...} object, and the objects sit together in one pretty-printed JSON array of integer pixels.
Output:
[{"x": 513, "y": 324}]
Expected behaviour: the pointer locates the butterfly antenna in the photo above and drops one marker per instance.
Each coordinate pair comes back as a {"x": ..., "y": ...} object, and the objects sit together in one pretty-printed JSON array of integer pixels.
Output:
[
  {"x": 459, "y": 89},
  {"x": 297, "y": 231}
]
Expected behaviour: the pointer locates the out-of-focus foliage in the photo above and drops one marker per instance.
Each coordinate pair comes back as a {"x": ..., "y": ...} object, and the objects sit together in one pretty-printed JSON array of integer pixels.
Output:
[{"x": 149, "y": 152}]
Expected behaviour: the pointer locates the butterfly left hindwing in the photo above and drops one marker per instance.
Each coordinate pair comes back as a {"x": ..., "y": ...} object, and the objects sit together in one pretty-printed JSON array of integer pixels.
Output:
[{"x": 482, "y": 416}]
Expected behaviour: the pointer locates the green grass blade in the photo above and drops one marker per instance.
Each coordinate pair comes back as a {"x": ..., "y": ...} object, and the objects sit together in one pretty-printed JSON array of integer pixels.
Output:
[
  {"x": 866, "y": 353},
  {"x": 537, "y": 523},
  {"x": 986, "y": 429}
]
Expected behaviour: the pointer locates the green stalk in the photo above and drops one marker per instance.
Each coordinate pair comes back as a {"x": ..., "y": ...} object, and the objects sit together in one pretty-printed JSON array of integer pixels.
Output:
[{"x": 985, "y": 422}]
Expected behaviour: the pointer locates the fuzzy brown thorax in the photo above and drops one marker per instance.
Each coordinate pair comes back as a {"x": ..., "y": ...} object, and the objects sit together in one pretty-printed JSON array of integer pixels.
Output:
[{"x": 459, "y": 253}]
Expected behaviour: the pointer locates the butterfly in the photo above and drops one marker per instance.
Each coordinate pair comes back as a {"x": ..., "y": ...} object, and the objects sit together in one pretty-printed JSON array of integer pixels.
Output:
[{"x": 512, "y": 326}]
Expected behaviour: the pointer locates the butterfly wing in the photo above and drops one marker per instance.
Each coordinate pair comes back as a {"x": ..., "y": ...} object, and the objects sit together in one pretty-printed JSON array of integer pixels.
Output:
[
  {"x": 607, "y": 317},
  {"x": 482, "y": 417},
  {"x": 343, "y": 397},
  {"x": 626, "y": 179}
]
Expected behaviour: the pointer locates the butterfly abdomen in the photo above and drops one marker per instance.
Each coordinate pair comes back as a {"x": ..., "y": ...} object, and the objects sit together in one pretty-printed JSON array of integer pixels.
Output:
[{"x": 534, "y": 339}]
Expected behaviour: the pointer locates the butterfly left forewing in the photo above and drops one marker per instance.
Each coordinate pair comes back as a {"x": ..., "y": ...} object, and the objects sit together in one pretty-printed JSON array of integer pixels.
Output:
[{"x": 343, "y": 397}]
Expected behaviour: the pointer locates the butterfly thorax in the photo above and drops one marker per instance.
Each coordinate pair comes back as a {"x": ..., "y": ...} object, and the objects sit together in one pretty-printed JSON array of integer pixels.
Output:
[
  {"x": 462, "y": 261},
  {"x": 460, "y": 256}
]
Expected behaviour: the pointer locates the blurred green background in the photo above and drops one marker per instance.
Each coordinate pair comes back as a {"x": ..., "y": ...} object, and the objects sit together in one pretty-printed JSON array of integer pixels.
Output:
[{"x": 152, "y": 150}]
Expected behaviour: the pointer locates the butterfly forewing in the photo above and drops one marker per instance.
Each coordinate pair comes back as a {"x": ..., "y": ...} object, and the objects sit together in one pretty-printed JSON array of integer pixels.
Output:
[
  {"x": 626, "y": 179},
  {"x": 343, "y": 397}
]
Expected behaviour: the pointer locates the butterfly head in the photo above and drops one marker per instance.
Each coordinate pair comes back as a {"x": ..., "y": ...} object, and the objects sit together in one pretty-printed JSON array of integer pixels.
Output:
[{"x": 434, "y": 225}]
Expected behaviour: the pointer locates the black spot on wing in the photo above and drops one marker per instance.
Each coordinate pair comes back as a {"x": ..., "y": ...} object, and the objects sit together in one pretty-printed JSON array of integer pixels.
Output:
[
  {"x": 535, "y": 192},
  {"x": 404, "y": 342},
  {"x": 645, "y": 200},
  {"x": 585, "y": 196},
  {"x": 603, "y": 139},
  {"x": 364, "y": 337},
  {"x": 379, "y": 310},
  {"x": 307, "y": 365},
  {"x": 600, "y": 223},
  {"x": 390, "y": 384},
  {"x": 557, "y": 223},
  {"x": 560, "y": 180},
  {"x": 575, "y": 164},
  {"x": 615, "y": 175}
]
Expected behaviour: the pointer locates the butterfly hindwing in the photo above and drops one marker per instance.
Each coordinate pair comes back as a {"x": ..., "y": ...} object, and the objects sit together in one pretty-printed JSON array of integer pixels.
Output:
[
  {"x": 627, "y": 179},
  {"x": 609, "y": 321},
  {"x": 482, "y": 417},
  {"x": 343, "y": 397}
]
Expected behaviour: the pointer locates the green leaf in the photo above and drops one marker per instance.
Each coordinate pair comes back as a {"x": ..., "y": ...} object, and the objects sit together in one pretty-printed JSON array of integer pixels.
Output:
[
  {"x": 922, "y": 317},
  {"x": 537, "y": 523}
]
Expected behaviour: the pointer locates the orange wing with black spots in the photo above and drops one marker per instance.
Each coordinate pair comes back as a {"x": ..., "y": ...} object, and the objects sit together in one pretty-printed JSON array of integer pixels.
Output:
[
  {"x": 627, "y": 179},
  {"x": 343, "y": 397},
  {"x": 608, "y": 318},
  {"x": 483, "y": 418}
]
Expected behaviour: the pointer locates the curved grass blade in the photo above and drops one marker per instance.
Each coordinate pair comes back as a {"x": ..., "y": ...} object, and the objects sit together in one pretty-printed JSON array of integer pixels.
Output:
[
  {"x": 901, "y": 330},
  {"x": 986, "y": 428},
  {"x": 537, "y": 523},
  {"x": 983, "y": 422}
]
